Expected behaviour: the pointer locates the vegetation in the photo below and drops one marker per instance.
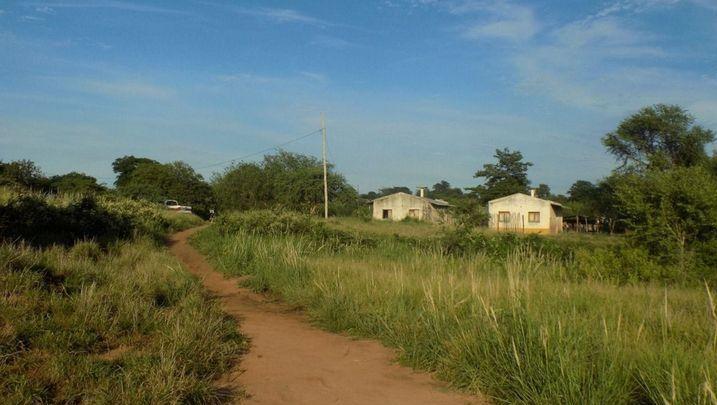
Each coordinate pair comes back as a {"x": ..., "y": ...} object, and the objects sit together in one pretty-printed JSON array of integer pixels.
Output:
[
  {"x": 508, "y": 176},
  {"x": 150, "y": 180},
  {"x": 287, "y": 180},
  {"x": 509, "y": 321},
  {"x": 100, "y": 313}
]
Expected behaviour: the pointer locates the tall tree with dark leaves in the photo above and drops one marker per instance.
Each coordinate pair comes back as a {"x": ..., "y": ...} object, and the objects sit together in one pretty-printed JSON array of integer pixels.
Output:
[
  {"x": 508, "y": 176},
  {"x": 659, "y": 137}
]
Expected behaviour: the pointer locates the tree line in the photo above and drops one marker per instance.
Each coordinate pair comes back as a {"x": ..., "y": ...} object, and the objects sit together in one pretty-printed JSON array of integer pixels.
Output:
[{"x": 663, "y": 188}]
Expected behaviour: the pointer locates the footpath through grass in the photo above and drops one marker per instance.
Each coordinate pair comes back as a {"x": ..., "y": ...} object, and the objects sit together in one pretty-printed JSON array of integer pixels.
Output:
[
  {"x": 518, "y": 327},
  {"x": 106, "y": 319}
]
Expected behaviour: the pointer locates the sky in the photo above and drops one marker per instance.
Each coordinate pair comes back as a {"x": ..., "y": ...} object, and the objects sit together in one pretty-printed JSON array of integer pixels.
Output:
[{"x": 414, "y": 91}]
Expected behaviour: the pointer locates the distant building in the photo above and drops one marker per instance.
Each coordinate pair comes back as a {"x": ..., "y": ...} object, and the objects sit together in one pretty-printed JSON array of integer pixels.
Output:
[
  {"x": 526, "y": 214},
  {"x": 401, "y": 205}
]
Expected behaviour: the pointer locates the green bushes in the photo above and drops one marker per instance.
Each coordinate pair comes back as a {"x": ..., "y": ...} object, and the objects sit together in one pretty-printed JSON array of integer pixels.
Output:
[
  {"x": 43, "y": 220},
  {"x": 129, "y": 326},
  {"x": 514, "y": 326},
  {"x": 284, "y": 223}
]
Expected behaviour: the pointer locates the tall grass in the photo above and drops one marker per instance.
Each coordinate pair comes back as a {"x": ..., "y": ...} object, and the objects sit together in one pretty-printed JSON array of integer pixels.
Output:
[
  {"x": 517, "y": 327},
  {"x": 127, "y": 325}
]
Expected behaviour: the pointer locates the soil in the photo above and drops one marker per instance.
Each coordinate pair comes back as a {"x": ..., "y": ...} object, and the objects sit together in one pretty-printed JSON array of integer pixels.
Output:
[{"x": 293, "y": 362}]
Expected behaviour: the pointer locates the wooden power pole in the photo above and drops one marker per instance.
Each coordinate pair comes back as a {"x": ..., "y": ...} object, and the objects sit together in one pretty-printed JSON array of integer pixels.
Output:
[{"x": 326, "y": 181}]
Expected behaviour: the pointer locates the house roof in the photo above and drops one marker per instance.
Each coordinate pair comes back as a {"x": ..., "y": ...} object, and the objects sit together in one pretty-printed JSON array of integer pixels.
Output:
[
  {"x": 526, "y": 196},
  {"x": 433, "y": 201}
]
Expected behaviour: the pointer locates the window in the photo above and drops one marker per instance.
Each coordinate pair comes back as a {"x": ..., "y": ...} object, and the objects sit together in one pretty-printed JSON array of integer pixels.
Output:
[
  {"x": 534, "y": 217},
  {"x": 387, "y": 214},
  {"x": 413, "y": 213},
  {"x": 504, "y": 216}
]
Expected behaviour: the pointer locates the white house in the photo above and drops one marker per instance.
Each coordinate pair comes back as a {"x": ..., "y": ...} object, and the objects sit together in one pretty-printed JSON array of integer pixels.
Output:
[
  {"x": 401, "y": 205},
  {"x": 526, "y": 214}
]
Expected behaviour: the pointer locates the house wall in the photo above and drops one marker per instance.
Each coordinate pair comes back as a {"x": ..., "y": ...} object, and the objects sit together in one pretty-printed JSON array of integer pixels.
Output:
[
  {"x": 400, "y": 204},
  {"x": 519, "y": 206}
]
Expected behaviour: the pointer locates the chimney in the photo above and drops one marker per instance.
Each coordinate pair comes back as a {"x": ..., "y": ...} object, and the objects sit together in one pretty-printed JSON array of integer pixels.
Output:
[
  {"x": 532, "y": 192},
  {"x": 422, "y": 192}
]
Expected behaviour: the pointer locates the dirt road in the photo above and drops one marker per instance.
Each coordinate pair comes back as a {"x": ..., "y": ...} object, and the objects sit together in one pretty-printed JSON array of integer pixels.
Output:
[{"x": 292, "y": 362}]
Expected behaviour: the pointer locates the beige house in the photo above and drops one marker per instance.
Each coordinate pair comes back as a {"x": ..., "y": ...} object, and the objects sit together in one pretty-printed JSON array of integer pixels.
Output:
[
  {"x": 525, "y": 213},
  {"x": 398, "y": 206}
]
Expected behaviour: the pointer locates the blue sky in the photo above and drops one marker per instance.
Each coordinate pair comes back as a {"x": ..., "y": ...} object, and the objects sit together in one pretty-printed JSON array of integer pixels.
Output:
[{"x": 414, "y": 91}]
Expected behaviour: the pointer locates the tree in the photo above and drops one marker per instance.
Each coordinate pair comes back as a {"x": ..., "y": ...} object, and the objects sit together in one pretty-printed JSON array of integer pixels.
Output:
[
  {"x": 284, "y": 179},
  {"x": 658, "y": 136},
  {"x": 242, "y": 186},
  {"x": 125, "y": 165},
  {"x": 393, "y": 190},
  {"x": 508, "y": 176},
  {"x": 671, "y": 211},
  {"x": 75, "y": 182},
  {"x": 177, "y": 181},
  {"x": 443, "y": 190},
  {"x": 23, "y": 173},
  {"x": 543, "y": 191}
]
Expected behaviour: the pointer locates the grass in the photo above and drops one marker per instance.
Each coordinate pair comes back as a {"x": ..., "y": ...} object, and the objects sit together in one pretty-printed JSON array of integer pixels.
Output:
[
  {"x": 517, "y": 327},
  {"x": 411, "y": 229},
  {"x": 127, "y": 325},
  {"x": 94, "y": 309}
]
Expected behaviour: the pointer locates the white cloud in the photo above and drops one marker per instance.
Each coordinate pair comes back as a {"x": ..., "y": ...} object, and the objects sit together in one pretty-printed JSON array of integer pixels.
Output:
[
  {"x": 281, "y": 15},
  {"x": 45, "y": 9},
  {"x": 111, "y": 4},
  {"x": 498, "y": 19},
  {"x": 123, "y": 89},
  {"x": 31, "y": 18},
  {"x": 332, "y": 42}
]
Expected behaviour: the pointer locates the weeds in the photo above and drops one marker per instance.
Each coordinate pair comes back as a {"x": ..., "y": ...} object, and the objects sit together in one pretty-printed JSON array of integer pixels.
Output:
[{"x": 517, "y": 325}]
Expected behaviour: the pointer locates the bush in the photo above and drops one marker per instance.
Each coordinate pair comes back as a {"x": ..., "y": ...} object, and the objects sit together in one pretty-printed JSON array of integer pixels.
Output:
[{"x": 43, "y": 219}]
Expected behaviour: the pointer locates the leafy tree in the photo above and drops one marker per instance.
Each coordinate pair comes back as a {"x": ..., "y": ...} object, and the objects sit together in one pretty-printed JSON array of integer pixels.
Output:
[
  {"x": 23, "y": 173},
  {"x": 508, "y": 176},
  {"x": 672, "y": 211},
  {"x": 659, "y": 136},
  {"x": 393, "y": 190},
  {"x": 543, "y": 191},
  {"x": 242, "y": 186},
  {"x": 284, "y": 179},
  {"x": 443, "y": 190},
  {"x": 125, "y": 165},
  {"x": 75, "y": 182},
  {"x": 158, "y": 182}
]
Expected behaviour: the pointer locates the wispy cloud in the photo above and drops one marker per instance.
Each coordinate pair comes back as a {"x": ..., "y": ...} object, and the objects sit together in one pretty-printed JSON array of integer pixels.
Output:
[
  {"x": 332, "y": 42},
  {"x": 123, "y": 89},
  {"x": 110, "y": 4},
  {"x": 45, "y": 9},
  {"x": 281, "y": 15},
  {"x": 491, "y": 19},
  {"x": 31, "y": 18}
]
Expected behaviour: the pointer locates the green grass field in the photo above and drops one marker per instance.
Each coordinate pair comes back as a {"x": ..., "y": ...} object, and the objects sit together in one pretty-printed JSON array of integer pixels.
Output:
[
  {"x": 518, "y": 328},
  {"x": 112, "y": 320}
]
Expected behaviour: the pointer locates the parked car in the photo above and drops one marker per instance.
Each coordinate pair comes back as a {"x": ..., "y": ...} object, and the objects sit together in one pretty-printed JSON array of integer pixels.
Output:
[{"x": 173, "y": 205}]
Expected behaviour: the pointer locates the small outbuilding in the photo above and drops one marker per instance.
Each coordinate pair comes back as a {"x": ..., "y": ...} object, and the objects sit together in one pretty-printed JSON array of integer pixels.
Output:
[
  {"x": 401, "y": 205},
  {"x": 526, "y": 214}
]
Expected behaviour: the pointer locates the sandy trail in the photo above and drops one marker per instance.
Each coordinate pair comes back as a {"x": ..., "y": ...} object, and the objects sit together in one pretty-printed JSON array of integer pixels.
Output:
[{"x": 292, "y": 362}]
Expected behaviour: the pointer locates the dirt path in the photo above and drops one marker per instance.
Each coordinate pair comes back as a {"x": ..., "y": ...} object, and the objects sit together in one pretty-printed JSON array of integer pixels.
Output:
[{"x": 291, "y": 362}]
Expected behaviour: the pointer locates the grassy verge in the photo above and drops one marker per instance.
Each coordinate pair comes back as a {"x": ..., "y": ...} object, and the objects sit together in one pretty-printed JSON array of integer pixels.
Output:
[
  {"x": 94, "y": 309},
  {"x": 127, "y": 325},
  {"x": 517, "y": 327}
]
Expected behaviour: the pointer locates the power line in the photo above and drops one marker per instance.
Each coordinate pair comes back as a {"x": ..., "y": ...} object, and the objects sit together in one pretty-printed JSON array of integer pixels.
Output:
[{"x": 261, "y": 151}]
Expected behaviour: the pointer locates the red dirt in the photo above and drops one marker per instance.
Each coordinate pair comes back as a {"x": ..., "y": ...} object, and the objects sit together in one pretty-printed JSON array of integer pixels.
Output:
[{"x": 292, "y": 362}]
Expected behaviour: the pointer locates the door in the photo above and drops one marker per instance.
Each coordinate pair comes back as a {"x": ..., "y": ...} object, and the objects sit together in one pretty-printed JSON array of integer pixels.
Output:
[{"x": 387, "y": 214}]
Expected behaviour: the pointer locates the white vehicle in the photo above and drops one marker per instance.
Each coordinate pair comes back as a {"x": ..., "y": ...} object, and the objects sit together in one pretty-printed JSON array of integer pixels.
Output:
[{"x": 173, "y": 205}]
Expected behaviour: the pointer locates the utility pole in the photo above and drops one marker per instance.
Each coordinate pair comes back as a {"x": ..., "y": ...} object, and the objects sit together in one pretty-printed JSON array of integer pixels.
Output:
[{"x": 326, "y": 181}]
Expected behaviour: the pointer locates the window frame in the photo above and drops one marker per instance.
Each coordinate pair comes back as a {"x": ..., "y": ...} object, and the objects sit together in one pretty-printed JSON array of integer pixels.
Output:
[
  {"x": 504, "y": 217},
  {"x": 532, "y": 217}
]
